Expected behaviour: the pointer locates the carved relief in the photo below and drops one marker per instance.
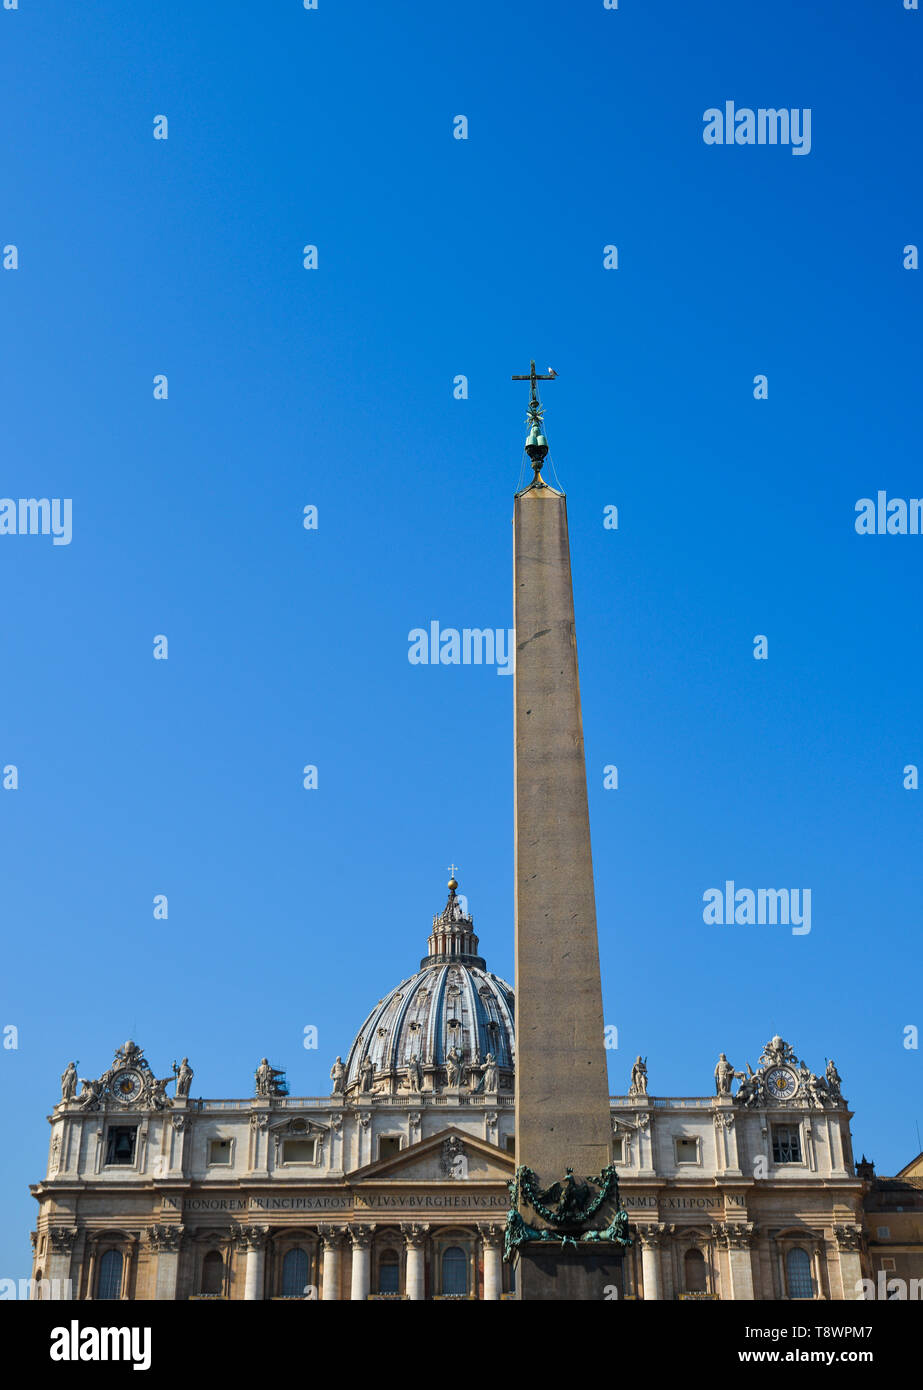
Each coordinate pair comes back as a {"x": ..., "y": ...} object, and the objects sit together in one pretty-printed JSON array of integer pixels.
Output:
[{"x": 454, "y": 1161}]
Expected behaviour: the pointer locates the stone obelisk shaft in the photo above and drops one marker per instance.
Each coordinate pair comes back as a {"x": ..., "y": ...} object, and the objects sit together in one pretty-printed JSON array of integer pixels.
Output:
[{"x": 562, "y": 1090}]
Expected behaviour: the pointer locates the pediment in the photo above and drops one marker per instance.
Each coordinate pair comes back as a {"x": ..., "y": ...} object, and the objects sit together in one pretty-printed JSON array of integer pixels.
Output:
[{"x": 449, "y": 1156}]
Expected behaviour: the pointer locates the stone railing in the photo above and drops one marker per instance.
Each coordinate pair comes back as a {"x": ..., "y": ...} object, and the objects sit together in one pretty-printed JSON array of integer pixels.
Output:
[
  {"x": 407, "y": 1102},
  {"x": 668, "y": 1102}
]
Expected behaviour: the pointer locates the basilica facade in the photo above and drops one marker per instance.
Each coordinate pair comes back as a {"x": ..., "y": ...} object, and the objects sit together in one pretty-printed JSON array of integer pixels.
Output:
[{"x": 397, "y": 1183}]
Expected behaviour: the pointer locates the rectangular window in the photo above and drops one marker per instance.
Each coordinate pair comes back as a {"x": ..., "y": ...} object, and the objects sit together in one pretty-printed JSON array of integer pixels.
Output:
[
  {"x": 618, "y": 1150},
  {"x": 389, "y": 1145},
  {"x": 299, "y": 1151},
  {"x": 219, "y": 1151},
  {"x": 687, "y": 1150},
  {"x": 888, "y": 1262},
  {"x": 884, "y": 1232},
  {"x": 120, "y": 1145},
  {"x": 786, "y": 1144},
  {"x": 511, "y": 1143}
]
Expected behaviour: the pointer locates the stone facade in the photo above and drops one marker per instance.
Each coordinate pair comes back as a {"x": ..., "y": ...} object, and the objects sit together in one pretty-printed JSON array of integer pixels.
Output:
[
  {"x": 361, "y": 1185},
  {"x": 396, "y": 1185}
]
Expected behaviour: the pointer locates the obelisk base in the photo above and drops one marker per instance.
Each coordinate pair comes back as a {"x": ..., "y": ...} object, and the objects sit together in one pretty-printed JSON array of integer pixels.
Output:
[{"x": 551, "y": 1273}]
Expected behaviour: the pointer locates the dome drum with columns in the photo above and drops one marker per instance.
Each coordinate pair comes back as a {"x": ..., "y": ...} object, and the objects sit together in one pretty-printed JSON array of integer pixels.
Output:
[{"x": 450, "y": 1026}]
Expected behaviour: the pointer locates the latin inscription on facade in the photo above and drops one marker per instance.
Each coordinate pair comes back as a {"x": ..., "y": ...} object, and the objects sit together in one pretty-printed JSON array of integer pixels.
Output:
[{"x": 416, "y": 1201}]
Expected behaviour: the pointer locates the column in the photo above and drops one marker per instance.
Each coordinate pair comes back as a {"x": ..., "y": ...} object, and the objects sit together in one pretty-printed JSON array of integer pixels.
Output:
[
  {"x": 61, "y": 1240},
  {"x": 415, "y": 1240},
  {"x": 644, "y": 1122},
  {"x": 726, "y": 1136},
  {"x": 129, "y": 1256},
  {"x": 361, "y": 1237},
  {"x": 849, "y": 1243},
  {"x": 491, "y": 1237},
  {"x": 332, "y": 1238},
  {"x": 253, "y": 1240},
  {"x": 90, "y": 1276},
  {"x": 738, "y": 1240},
  {"x": 164, "y": 1241},
  {"x": 651, "y": 1240}
]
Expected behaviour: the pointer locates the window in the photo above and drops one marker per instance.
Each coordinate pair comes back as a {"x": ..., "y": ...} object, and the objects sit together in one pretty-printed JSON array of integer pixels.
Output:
[
  {"x": 694, "y": 1272},
  {"x": 786, "y": 1144},
  {"x": 219, "y": 1151},
  {"x": 120, "y": 1144},
  {"x": 618, "y": 1150},
  {"x": 454, "y": 1270},
  {"x": 389, "y": 1272},
  {"x": 687, "y": 1150},
  {"x": 884, "y": 1232},
  {"x": 213, "y": 1273},
  {"x": 510, "y": 1143},
  {"x": 109, "y": 1284},
  {"x": 798, "y": 1271},
  {"x": 299, "y": 1151},
  {"x": 389, "y": 1145},
  {"x": 888, "y": 1262},
  {"x": 295, "y": 1273}
]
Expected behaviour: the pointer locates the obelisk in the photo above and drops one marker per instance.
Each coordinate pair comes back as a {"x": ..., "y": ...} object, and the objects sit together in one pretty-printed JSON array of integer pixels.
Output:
[{"x": 562, "y": 1090}]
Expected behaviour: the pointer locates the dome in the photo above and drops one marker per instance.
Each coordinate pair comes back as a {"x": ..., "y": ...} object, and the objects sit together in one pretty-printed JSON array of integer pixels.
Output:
[{"x": 437, "y": 1028}]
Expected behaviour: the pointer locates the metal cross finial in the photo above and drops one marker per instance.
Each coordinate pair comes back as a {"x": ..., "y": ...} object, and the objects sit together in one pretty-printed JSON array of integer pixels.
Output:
[
  {"x": 453, "y": 869},
  {"x": 535, "y": 376},
  {"x": 536, "y": 444}
]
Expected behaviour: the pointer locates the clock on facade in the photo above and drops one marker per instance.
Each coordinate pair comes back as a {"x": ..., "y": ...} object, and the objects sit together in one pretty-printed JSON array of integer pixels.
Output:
[
  {"x": 126, "y": 1086},
  {"x": 781, "y": 1083}
]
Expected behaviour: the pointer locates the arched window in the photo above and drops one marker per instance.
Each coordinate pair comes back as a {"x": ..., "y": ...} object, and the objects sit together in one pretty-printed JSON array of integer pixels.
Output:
[
  {"x": 110, "y": 1275},
  {"x": 389, "y": 1272},
  {"x": 694, "y": 1270},
  {"x": 798, "y": 1271},
  {"x": 454, "y": 1270},
  {"x": 295, "y": 1273},
  {"x": 38, "y": 1284},
  {"x": 212, "y": 1273}
]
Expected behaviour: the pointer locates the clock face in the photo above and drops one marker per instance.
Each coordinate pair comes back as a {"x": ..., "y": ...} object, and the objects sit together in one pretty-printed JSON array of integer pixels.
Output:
[
  {"x": 781, "y": 1083},
  {"x": 126, "y": 1086}
]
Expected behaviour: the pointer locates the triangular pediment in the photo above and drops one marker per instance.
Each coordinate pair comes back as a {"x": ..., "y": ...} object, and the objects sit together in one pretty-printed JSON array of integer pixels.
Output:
[
  {"x": 449, "y": 1156},
  {"x": 914, "y": 1168}
]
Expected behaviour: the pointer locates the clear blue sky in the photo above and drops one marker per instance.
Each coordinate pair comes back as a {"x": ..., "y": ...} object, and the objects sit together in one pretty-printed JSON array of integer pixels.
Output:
[{"x": 333, "y": 387}]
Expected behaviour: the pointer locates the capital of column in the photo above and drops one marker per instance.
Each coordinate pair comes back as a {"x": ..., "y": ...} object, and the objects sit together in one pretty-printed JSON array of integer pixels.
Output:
[
  {"x": 62, "y": 1239},
  {"x": 252, "y": 1237},
  {"x": 165, "y": 1239},
  {"x": 332, "y": 1237},
  {"x": 491, "y": 1236},
  {"x": 361, "y": 1236},
  {"x": 848, "y": 1237},
  {"x": 414, "y": 1234},
  {"x": 735, "y": 1235},
  {"x": 654, "y": 1235}
]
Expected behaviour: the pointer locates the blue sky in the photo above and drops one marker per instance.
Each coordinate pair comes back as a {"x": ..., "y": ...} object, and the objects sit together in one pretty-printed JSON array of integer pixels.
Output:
[{"x": 334, "y": 387}]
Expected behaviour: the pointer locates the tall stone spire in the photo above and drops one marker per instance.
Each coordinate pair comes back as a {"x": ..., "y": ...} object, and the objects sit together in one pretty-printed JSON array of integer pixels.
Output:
[{"x": 562, "y": 1089}]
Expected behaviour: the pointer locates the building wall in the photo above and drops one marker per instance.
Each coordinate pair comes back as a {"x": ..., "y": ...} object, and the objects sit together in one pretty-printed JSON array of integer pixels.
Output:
[{"x": 724, "y": 1194}]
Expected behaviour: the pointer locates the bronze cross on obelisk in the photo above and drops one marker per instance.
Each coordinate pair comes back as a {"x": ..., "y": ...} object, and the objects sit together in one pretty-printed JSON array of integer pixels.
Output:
[{"x": 536, "y": 444}]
